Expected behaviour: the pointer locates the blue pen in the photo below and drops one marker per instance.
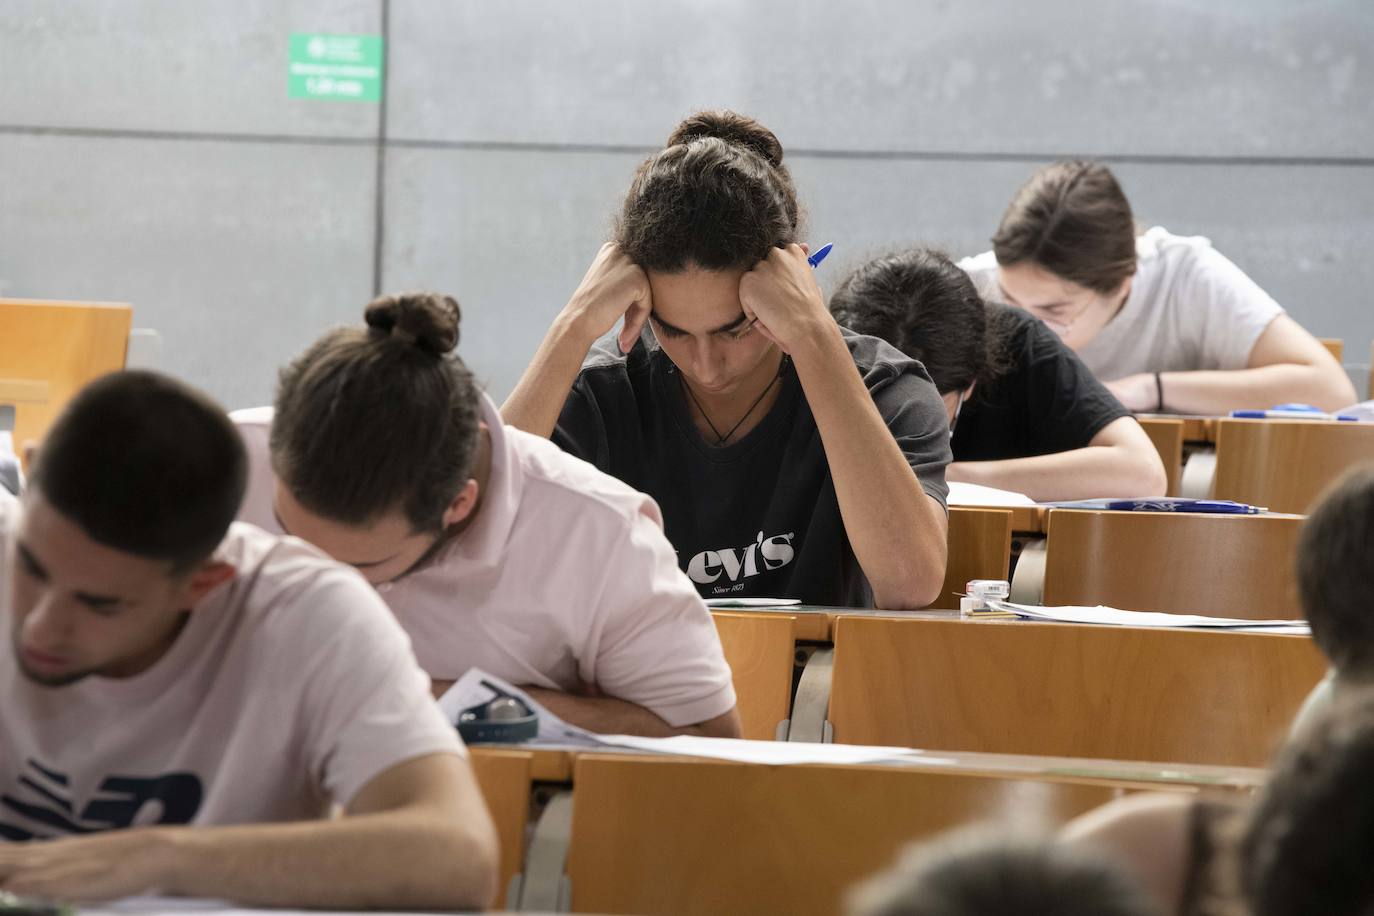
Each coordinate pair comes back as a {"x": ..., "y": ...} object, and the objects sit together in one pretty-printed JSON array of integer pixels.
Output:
[{"x": 816, "y": 259}]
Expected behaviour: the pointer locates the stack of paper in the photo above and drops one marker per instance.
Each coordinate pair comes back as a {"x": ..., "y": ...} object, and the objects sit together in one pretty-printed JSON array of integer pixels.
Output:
[{"x": 1108, "y": 615}]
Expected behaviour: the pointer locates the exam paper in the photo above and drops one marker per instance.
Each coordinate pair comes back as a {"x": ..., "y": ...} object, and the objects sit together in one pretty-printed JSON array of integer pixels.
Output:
[
  {"x": 773, "y": 752},
  {"x": 1108, "y": 615},
  {"x": 972, "y": 494},
  {"x": 727, "y": 603}
]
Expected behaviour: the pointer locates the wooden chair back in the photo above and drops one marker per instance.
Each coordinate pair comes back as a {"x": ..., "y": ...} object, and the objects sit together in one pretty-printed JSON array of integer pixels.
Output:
[
  {"x": 684, "y": 837},
  {"x": 1177, "y": 562},
  {"x": 504, "y": 777},
  {"x": 1334, "y": 345},
  {"x": 1018, "y": 687},
  {"x": 760, "y": 649},
  {"x": 1285, "y": 465},
  {"x": 1167, "y": 437},
  {"x": 49, "y": 350},
  {"x": 979, "y": 548}
]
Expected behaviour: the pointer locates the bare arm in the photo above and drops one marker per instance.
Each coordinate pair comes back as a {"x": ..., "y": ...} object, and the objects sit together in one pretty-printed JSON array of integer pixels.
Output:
[
  {"x": 897, "y": 531},
  {"x": 1119, "y": 461},
  {"x": 1287, "y": 365},
  {"x": 418, "y": 836},
  {"x": 613, "y": 287},
  {"x": 609, "y": 716},
  {"x": 1148, "y": 834}
]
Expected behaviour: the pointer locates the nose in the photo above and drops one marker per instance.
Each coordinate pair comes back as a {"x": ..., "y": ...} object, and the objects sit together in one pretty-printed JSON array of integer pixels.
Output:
[
  {"x": 708, "y": 363},
  {"x": 47, "y": 625}
]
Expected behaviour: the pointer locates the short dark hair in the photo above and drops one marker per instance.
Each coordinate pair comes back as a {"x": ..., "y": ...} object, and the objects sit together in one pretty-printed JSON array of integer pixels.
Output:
[
  {"x": 924, "y": 305},
  {"x": 981, "y": 872},
  {"x": 1072, "y": 219},
  {"x": 1336, "y": 572},
  {"x": 372, "y": 420},
  {"x": 717, "y": 197},
  {"x": 1306, "y": 844},
  {"x": 147, "y": 465}
]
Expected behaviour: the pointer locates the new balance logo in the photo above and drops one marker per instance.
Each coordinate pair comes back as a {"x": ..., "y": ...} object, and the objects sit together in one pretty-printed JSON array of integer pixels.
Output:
[
  {"x": 43, "y": 803},
  {"x": 735, "y": 565}
]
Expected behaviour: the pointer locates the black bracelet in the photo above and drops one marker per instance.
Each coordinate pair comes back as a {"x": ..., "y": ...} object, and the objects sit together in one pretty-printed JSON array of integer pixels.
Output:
[{"x": 1159, "y": 394}]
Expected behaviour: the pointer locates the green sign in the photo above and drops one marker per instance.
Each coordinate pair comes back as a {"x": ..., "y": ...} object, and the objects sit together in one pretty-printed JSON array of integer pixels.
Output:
[{"x": 335, "y": 67}]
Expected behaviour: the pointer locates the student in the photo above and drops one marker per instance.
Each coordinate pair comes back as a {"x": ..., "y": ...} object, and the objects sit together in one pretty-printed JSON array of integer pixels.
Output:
[
  {"x": 174, "y": 694},
  {"x": 791, "y": 459},
  {"x": 1024, "y": 413},
  {"x": 1336, "y": 586},
  {"x": 493, "y": 548},
  {"x": 981, "y": 872},
  {"x": 1166, "y": 321},
  {"x": 1307, "y": 842}
]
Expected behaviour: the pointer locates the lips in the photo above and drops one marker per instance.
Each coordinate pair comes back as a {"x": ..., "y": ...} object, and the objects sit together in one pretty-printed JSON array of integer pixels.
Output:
[{"x": 42, "y": 661}]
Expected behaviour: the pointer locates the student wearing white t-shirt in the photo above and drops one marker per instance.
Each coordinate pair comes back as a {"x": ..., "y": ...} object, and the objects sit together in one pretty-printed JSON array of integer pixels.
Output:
[
  {"x": 178, "y": 690},
  {"x": 493, "y": 548},
  {"x": 1166, "y": 321}
]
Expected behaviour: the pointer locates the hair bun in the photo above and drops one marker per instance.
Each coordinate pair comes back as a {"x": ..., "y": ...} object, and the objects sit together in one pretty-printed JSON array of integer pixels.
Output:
[
  {"x": 426, "y": 320},
  {"x": 735, "y": 129}
]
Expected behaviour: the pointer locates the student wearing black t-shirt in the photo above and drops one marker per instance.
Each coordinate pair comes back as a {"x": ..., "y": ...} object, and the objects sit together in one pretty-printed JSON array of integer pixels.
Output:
[
  {"x": 790, "y": 459},
  {"x": 1026, "y": 414}
]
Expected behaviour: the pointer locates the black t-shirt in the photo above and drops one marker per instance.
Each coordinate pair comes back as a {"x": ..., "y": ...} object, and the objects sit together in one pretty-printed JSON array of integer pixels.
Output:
[
  {"x": 758, "y": 517},
  {"x": 1045, "y": 401}
]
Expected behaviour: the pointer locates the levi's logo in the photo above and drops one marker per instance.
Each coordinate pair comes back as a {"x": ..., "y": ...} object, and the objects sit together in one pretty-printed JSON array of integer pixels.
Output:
[{"x": 735, "y": 565}]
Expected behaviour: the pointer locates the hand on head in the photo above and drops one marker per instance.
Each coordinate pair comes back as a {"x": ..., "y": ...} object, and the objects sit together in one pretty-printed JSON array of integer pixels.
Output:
[
  {"x": 781, "y": 293},
  {"x": 613, "y": 287}
]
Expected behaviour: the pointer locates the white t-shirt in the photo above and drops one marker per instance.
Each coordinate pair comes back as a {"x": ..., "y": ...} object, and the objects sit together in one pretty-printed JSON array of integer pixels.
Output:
[
  {"x": 564, "y": 578},
  {"x": 1189, "y": 309},
  {"x": 289, "y": 688}
]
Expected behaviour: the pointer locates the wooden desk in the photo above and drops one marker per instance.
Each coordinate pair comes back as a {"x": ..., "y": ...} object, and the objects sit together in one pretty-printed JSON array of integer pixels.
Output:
[{"x": 1217, "y": 697}]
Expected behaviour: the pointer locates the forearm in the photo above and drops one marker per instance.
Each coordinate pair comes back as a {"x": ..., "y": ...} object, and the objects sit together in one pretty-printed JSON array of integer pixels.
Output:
[
  {"x": 610, "y": 716},
  {"x": 1083, "y": 473},
  {"x": 538, "y": 398},
  {"x": 1218, "y": 392},
  {"x": 390, "y": 860},
  {"x": 897, "y": 531}
]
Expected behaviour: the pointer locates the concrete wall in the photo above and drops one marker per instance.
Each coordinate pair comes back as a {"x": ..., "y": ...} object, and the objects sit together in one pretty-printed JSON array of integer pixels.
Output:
[{"x": 149, "y": 152}]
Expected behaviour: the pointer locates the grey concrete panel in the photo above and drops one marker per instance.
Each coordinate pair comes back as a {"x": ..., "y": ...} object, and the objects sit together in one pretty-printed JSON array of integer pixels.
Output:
[
  {"x": 239, "y": 254},
  {"x": 214, "y": 66},
  {"x": 1171, "y": 77},
  {"x": 509, "y": 234}
]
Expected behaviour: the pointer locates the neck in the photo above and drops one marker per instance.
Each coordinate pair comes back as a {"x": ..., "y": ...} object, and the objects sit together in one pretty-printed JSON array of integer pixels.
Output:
[{"x": 734, "y": 414}]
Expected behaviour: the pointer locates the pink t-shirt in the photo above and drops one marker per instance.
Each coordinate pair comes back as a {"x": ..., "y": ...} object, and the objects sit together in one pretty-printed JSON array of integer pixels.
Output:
[
  {"x": 289, "y": 688},
  {"x": 564, "y": 578}
]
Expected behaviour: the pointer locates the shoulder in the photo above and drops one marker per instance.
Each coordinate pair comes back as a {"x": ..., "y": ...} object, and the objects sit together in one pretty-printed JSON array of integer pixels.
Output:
[
  {"x": 982, "y": 270},
  {"x": 255, "y": 426},
  {"x": 1160, "y": 251},
  {"x": 558, "y": 485},
  {"x": 297, "y": 598},
  {"x": 880, "y": 363}
]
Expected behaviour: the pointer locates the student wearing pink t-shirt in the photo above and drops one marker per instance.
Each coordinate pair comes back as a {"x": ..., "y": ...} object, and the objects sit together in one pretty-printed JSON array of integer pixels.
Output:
[
  {"x": 493, "y": 548},
  {"x": 177, "y": 689}
]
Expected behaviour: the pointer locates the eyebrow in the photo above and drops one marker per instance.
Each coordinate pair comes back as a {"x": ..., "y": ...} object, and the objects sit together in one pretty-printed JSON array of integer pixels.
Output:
[
  {"x": 84, "y": 597},
  {"x": 1012, "y": 299},
  {"x": 368, "y": 564},
  {"x": 728, "y": 326}
]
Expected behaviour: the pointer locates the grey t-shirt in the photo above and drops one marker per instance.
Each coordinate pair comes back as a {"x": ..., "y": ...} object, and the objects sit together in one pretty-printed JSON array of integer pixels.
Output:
[
  {"x": 758, "y": 517},
  {"x": 1189, "y": 309}
]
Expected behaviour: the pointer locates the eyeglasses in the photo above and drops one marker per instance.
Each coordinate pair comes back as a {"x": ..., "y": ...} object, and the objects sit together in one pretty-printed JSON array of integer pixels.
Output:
[{"x": 1058, "y": 326}]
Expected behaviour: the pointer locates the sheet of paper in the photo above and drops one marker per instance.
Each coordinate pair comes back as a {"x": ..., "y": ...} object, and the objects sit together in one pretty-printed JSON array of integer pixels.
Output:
[
  {"x": 725, "y": 603},
  {"x": 177, "y": 906},
  {"x": 1109, "y": 615},
  {"x": 972, "y": 494},
  {"x": 475, "y": 688},
  {"x": 773, "y": 752}
]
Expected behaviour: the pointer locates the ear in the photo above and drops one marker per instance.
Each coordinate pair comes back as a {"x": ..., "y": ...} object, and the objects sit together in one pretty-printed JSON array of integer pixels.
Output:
[
  {"x": 462, "y": 504},
  {"x": 205, "y": 579}
]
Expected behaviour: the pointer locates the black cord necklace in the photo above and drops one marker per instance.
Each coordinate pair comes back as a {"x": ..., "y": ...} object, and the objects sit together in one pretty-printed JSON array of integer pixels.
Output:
[{"x": 721, "y": 440}]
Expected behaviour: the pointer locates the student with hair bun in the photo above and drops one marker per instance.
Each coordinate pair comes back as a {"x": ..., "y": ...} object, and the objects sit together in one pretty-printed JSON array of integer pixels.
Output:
[
  {"x": 1024, "y": 412},
  {"x": 1166, "y": 321},
  {"x": 493, "y": 548},
  {"x": 791, "y": 458}
]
